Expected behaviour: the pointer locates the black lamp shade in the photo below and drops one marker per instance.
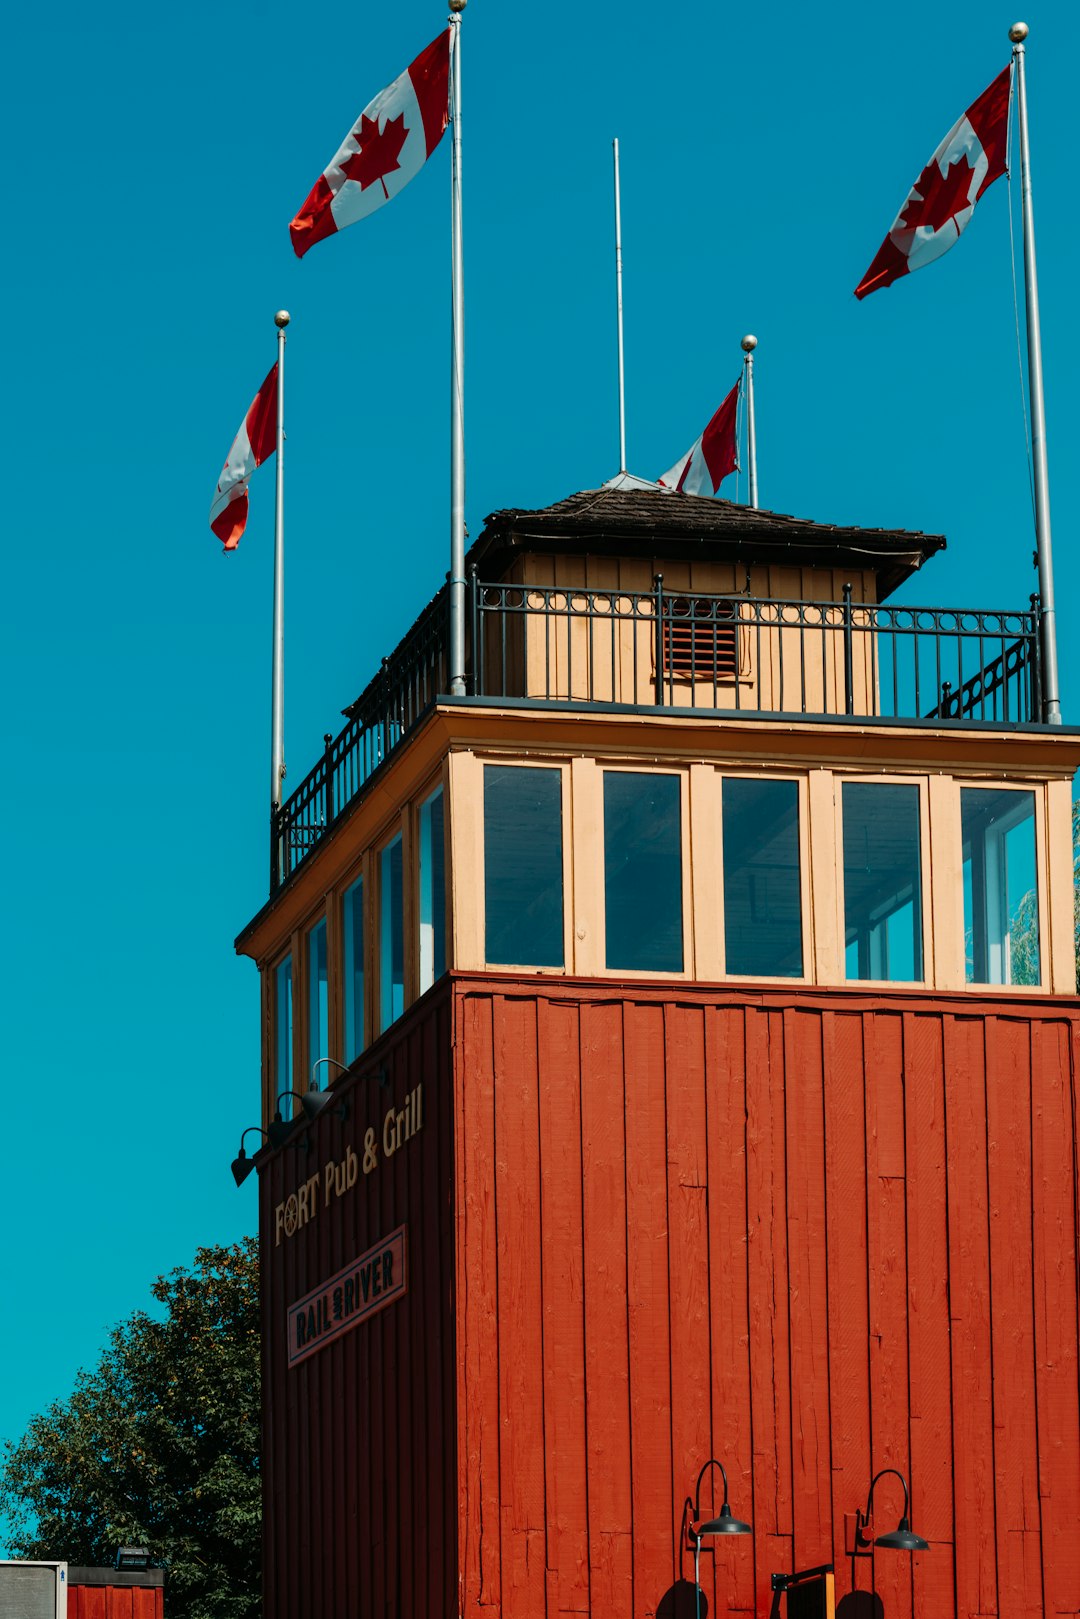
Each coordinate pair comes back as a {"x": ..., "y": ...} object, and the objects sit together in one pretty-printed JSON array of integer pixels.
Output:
[
  {"x": 725, "y": 1524},
  {"x": 278, "y": 1130},
  {"x": 902, "y": 1539},
  {"x": 242, "y": 1167},
  {"x": 314, "y": 1102}
]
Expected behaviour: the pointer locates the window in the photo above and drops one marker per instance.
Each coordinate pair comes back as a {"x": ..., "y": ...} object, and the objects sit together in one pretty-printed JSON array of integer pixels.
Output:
[
  {"x": 882, "y": 882},
  {"x": 432, "y": 891},
  {"x": 318, "y": 1030},
  {"x": 283, "y": 1032},
  {"x": 1001, "y": 903},
  {"x": 391, "y": 935},
  {"x": 352, "y": 916},
  {"x": 643, "y": 871},
  {"x": 762, "y": 889},
  {"x": 523, "y": 865}
]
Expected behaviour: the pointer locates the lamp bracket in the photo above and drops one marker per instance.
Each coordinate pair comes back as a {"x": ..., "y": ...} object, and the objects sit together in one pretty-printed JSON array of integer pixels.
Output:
[
  {"x": 781, "y": 1582},
  {"x": 863, "y": 1544}
]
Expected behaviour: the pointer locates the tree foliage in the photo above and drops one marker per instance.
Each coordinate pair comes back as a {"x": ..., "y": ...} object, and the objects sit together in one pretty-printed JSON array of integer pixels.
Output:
[{"x": 158, "y": 1446}]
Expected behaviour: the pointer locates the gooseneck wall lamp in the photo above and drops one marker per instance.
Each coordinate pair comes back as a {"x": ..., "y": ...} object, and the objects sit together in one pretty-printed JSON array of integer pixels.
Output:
[
  {"x": 279, "y": 1129},
  {"x": 242, "y": 1165},
  {"x": 900, "y": 1539},
  {"x": 724, "y": 1524},
  {"x": 314, "y": 1101}
]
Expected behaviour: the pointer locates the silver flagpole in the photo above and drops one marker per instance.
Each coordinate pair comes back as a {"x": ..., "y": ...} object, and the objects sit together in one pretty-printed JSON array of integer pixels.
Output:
[
  {"x": 749, "y": 344},
  {"x": 618, "y": 308},
  {"x": 1051, "y": 696},
  {"x": 277, "y": 701},
  {"x": 457, "y": 374}
]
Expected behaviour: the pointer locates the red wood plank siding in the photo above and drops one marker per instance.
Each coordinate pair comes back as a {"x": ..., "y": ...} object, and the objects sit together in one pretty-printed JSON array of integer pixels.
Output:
[
  {"x": 360, "y": 1509},
  {"x": 115, "y": 1602},
  {"x": 813, "y": 1234}
]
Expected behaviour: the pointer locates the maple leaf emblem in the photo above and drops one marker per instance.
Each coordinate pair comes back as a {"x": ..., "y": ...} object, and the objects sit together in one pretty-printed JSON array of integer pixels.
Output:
[
  {"x": 936, "y": 198},
  {"x": 379, "y": 151}
]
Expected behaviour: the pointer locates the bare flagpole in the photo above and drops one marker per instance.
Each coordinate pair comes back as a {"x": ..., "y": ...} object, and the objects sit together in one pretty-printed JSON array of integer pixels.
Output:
[
  {"x": 277, "y": 662},
  {"x": 749, "y": 344},
  {"x": 618, "y": 309},
  {"x": 1051, "y": 697},
  {"x": 457, "y": 374}
]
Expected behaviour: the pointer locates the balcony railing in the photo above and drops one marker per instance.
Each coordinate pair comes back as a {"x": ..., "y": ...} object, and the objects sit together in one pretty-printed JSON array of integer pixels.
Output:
[{"x": 729, "y": 655}]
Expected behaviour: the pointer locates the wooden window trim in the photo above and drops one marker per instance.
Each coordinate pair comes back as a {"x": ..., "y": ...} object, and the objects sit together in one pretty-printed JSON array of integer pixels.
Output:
[
  {"x": 801, "y": 779},
  {"x": 920, "y": 780}
]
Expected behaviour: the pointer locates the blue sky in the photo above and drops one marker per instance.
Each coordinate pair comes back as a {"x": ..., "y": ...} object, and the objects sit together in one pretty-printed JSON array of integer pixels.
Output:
[{"x": 153, "y": 159}]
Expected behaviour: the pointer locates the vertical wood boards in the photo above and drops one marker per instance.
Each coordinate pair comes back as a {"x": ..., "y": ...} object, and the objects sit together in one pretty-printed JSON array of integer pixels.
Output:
[
  {"x": 969, "y": 1306},
  {"x": 847, "y": 1260},
  {"x": 657, "y": 1501},
  {"x": 518, "y": 1262},
  {"x": 726, "y": 1167},
  {"x": 607, "y": 1351},
  {"x": 811, "y": 1459},
  {"x": 608, "y": 658},
  {"x": 1012, "y": 1320},
  {"x": 886, "y": 1198},
  {"x": 1054, "y": 1231},
  {"x": 813, "y": 1234},
  {"x": 562, "y": 1267},
  {"x": 929, "y": 1358},
  {"x": 359, "y": 1438},
  {"x": 115, "y": 1602},
  {"x": 771, "y": 1229}
]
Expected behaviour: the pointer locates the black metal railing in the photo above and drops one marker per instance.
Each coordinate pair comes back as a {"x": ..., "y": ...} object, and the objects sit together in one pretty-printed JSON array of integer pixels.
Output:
[
  {"x": 385, "y": 712},
  {"x": 729, "y": 654},
  {"x": 754, "y": 654}
]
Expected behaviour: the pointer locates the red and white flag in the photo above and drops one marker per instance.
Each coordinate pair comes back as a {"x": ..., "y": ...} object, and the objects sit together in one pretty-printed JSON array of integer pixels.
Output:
[
  {"x": 942, "y": 200},
  {"x": 709, "y": 460},
  {"x": 254, "y": 443},
  {"x": 389, "y": 143}
]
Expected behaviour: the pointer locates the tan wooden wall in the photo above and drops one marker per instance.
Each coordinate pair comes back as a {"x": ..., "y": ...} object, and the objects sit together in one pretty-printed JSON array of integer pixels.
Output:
[{"x": 572, "y": 644}]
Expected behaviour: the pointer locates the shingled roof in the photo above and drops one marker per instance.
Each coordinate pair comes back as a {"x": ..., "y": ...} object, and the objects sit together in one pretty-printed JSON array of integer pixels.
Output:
[{"x": 639, "y": 519}]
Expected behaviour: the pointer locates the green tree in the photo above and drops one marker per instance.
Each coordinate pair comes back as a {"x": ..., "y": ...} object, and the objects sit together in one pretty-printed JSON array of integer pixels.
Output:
[{"x": 158, "y": 1446}]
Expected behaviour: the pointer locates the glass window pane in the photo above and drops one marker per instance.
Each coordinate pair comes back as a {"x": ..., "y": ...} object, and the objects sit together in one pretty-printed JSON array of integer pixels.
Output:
[
  {"x": 318, "y": 1003},
  {"x": 762, "y": 891},
  {"x": 643, "y": 871},
  {"x": 523, "y": 866},
  {"x": 391, "y": 935},
  {"x": 882, "y": 882},
  {"x": 353, "y": 929},
  {"x": 1001, "y": 901},
  {"x": 432, "y": 891},
  {"x": 283, "y": 1032}
]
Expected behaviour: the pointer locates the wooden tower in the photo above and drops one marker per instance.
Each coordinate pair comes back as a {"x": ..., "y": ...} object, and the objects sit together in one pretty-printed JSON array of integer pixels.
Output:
[{"x": 698, "y": 995}]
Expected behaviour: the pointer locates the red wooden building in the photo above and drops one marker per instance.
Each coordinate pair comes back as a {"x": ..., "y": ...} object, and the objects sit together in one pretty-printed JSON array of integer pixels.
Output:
[{"x": 697, "y": 1000}]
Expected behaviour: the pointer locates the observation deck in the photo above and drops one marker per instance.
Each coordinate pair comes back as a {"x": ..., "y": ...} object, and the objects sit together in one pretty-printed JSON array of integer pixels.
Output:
[{"x": 635, "y": 599}]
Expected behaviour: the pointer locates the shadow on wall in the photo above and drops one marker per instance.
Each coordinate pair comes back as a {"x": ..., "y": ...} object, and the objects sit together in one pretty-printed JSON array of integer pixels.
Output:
[
  {"x": 860, "y": 1605},
  {"x": 681, "y": 1602}
]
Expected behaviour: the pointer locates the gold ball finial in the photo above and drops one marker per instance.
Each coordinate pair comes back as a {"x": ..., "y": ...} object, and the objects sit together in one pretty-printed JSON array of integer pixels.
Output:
[
  {"x": 282, "y": 318},
  {"x": 457, "y": 5},
  {"x": 1018, "y": 32},
  {"x": 749, "y": 343}
]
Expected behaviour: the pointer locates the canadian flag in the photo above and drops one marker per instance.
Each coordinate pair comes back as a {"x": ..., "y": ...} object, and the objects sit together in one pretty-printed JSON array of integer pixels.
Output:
[
  {"x": 709, "y": 460},
  {"x": 254, "y": 443},
  {"x": 942, "y": 200},
  {"x": 389, "y": 143}
]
